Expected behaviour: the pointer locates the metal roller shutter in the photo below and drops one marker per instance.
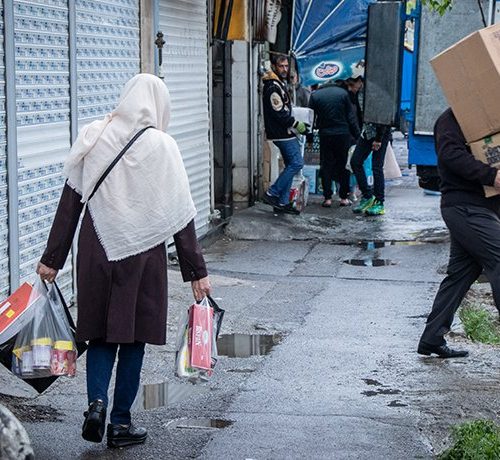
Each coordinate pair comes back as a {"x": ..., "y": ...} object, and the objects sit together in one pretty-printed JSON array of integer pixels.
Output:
[
  {"x": 185, "y": 68},
  {"x": 107, "y": 53},
  {"x": 4, "y": 231},
  {"x": 43, "y": 118}
]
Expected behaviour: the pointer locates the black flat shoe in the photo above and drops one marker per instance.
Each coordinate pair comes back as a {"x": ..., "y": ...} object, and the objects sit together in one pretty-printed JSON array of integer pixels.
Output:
[
  {"x": 95, "y": 419},
  {"x": 121, "y": 436},
  {"x": 443, "y": 351}
]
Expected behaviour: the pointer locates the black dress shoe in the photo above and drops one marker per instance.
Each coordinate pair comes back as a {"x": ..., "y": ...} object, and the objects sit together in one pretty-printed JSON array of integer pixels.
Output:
[
  {"x": 271, "y": 199},
  {"x": 121, "y": 436},
  {"x": 286, "y": 209},
  {"x": 95, "y": 419},
  {"x": 443, "y": 351}
]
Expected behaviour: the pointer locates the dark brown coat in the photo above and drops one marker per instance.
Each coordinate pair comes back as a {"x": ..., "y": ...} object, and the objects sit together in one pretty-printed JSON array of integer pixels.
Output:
[{"x": 123, "y": 301}]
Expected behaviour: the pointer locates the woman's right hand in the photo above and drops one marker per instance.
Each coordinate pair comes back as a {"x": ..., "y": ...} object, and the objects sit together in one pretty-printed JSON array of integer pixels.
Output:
[
  {"x": 201, "y": 288},
  {"x": 46, "y": 273}
]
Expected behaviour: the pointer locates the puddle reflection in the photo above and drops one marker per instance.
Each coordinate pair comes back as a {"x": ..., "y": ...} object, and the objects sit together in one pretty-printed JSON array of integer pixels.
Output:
[
  {"x": 377, "y": 244},
  {"x": 164, "y": 394},
  {"x": 246, "y": 345},
  {"x": 200, "y": 423},
  {"x": 370, "y": 262}
]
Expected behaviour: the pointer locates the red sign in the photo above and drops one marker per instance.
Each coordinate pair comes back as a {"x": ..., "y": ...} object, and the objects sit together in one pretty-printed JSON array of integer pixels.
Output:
[{"x": 201, "y": 336}]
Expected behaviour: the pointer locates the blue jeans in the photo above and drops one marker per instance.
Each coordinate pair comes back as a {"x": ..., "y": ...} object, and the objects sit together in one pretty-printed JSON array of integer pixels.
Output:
[
  {"x": 100, "y": 361},
  {"x": 292, "y": 157}
]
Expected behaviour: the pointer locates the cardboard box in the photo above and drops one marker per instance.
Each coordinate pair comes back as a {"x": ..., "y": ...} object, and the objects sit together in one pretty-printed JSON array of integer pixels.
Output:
[
  {"x": 310, "y": 172},
  {"x": 487, "y": 150},
  {"x": 469, "y": 73}
]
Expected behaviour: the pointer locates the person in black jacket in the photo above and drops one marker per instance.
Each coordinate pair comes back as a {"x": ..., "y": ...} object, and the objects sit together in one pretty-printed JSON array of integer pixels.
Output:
[
  {"x": 474, "y": 224},
  {"x": 338, "y": 128},
  {"x": 281, "y": 128}
]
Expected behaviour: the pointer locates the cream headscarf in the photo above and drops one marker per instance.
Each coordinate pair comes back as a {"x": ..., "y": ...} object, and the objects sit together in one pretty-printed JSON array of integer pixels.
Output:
[{"x": 145, "y": 199}]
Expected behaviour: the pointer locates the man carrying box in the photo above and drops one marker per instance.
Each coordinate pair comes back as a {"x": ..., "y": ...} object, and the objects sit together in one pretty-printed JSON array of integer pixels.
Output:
[{"x": 474, "y": 224}]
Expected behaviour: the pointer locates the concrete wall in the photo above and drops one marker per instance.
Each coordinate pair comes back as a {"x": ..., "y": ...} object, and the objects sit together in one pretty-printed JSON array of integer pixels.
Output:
[{"x": 241, "y": 101}]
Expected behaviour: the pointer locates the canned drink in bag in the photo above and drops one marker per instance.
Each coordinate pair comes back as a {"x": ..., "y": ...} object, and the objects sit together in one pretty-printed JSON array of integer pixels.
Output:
[
  {"x": 27, "y": 362},
  {"x": 63, "y": 361},
  {"x": 42, "y": 350}
]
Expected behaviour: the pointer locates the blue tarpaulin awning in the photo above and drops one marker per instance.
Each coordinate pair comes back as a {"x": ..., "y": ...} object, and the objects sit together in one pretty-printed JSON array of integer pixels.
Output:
[{"x": 328, "y": 38}]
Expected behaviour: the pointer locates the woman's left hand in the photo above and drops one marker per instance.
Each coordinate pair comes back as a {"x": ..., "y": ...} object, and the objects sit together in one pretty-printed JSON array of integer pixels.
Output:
[{"x": 201, "y": 288}]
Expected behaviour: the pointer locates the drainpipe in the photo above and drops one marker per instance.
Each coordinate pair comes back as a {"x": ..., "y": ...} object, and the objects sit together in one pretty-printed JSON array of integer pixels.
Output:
[
  {"x": 227, "y": 171},
  {"x": 12, "y": 159}
]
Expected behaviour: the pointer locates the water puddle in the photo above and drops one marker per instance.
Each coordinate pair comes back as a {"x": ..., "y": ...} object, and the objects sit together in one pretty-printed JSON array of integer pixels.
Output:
[
  {"x": 381, "y": 391},
  {"x": 246, "y": 345},
  {"x": 378, "y": 244},
  {"x": 200, "y": 423},
  {"x": 164, "y": 394},
  {"x": 432, "y": 235},
  {"x": 397, "y": 403},
  {"x": 370, "y": 262},
  {"x": 372, "y": 382}
]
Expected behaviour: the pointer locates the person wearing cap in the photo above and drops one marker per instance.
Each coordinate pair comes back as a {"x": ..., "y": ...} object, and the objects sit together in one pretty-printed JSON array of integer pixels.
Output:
[
  {"x": 282, "y": 129},
  {"x": 336, "y": 120}
]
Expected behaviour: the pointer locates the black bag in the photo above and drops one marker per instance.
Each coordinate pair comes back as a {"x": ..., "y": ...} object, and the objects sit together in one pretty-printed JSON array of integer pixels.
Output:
[{"x": 41, "y": 384}]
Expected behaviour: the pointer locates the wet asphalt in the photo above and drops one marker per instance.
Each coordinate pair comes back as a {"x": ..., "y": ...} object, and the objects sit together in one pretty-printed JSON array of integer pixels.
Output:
[{"x": 336, "y": 375}]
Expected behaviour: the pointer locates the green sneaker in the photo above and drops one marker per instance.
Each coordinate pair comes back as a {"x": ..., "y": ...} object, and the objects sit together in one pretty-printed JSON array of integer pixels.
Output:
[
  {"x": 363, "y": 205},
  {"x": 376, "y": 209}
]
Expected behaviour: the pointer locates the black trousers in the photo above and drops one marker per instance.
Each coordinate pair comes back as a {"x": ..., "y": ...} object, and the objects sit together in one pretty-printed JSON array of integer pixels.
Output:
[
  {"x": 333, "y": 158},
  {"x": 475, "y": 245},
  {"x": 363, "y": 149}
]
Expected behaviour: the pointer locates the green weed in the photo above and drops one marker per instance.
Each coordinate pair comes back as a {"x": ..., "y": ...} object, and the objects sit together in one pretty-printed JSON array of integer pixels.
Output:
[
  {"x": 477, "y": 440},
  {"x": 480, "y": 325}
]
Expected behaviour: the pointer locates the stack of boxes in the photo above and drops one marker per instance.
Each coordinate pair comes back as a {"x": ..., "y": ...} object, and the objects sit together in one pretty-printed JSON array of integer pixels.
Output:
[
  {"x": 469, "y": 73},
  {"x": 311, "y": 165}
]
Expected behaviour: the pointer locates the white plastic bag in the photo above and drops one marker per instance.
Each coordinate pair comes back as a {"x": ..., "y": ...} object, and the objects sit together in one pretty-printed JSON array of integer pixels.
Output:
[
  {"x": 391, "y": 167},
  {"x": 45, "y": 346},
  {"x": 183, "y": 362}
]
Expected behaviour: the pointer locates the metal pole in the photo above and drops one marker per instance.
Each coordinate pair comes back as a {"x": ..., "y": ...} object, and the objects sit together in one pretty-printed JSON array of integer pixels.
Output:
[
  {"x": 156, "y": 27},
  {"x": 73, "y": 83},
  {"x": 73, "y": 106},
  {"x": 11, "y": 122},
  {"x": 227, "y": 169},
  {"x": 491, "y": 12}
]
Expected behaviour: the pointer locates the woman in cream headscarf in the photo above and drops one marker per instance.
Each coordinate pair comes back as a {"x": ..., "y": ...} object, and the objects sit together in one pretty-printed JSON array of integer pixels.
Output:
[{"x": 122, "y": 265}]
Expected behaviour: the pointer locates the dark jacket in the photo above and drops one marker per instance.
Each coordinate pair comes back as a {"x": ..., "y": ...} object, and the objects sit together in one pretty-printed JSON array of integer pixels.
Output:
[
  {"x": 277, "y": 108},
  {"x": 123, "y": 301},
  {"x": 374, "y": 132},
  {"x": 334, "y": 112},
  {"x": 462, "y": 176}
]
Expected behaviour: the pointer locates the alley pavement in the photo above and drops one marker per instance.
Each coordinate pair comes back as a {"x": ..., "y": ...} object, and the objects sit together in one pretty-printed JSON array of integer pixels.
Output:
[{"x": 328, "y": 308}]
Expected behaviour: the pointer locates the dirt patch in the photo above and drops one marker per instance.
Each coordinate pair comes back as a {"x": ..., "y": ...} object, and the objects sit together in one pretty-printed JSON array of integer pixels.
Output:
[{"x": 27, "y": 412}]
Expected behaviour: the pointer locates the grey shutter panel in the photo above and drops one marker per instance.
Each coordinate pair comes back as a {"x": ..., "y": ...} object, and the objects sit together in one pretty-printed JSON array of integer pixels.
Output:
[{"x": 185, "y": 68}]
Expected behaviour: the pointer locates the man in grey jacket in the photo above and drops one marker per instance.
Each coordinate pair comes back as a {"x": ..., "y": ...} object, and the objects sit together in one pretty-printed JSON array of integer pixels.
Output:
[{"x": 338, "y": 130}]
